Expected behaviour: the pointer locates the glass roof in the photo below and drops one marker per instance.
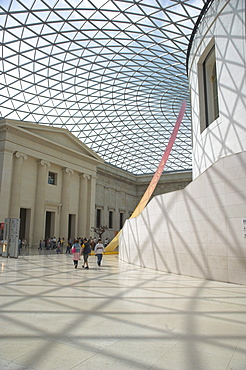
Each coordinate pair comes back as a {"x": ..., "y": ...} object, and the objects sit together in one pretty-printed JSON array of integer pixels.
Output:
[{"x": 111, "y": 72}]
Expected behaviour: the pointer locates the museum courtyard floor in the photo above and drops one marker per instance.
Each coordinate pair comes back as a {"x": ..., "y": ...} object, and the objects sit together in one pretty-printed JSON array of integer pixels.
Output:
[{"x": 118, "y": 317}]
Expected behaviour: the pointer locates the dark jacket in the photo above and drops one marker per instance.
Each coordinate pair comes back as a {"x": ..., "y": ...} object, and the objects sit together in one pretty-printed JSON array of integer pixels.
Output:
[{"x": 86, "y": 248}]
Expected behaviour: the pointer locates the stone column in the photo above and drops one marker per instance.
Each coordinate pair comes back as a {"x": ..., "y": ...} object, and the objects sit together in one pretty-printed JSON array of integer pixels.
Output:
[
  {"x": 6, "y": 164},
  {"x": 39, "y": 216},
  {"x": 83, "y": 223},
  {"x": 92, "y": 201},
  {"x": 66, "y": 174},
  {"x": 19, "y": 158}
]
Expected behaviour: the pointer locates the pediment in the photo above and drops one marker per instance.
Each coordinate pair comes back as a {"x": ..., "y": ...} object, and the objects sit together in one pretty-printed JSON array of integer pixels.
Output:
[{"x": 57, "y": 136}]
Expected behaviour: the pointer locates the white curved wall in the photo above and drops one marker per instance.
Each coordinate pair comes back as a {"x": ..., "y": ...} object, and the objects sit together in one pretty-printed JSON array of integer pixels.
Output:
[
  {"x": 198, "y": 231},
  {"x": 224, "y": 24}
]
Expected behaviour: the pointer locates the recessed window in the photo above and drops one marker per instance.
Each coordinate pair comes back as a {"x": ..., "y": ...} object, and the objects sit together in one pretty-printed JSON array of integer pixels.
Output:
[
  {"x": 121, "y": 219},
  {"x": 110, "y": 220},
  {"x": 211, "y": 103},
  {"x": 208, "y": 86},
  {"x": 98, "y": 219},
  {"x": 52, "y": 178},
  {"x": 211, "y": 87}
]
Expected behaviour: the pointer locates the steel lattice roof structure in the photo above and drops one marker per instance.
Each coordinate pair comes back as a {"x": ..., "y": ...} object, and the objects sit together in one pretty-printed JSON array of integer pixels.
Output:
[{"x": 111, "y": 72}]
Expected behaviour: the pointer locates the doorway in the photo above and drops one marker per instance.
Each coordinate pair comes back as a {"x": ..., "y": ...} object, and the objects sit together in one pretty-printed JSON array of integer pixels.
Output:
[
  {"x": 49, "y": 224},
  {"x": 25, "y": 215},
  {"x": 71, "y": 227}
]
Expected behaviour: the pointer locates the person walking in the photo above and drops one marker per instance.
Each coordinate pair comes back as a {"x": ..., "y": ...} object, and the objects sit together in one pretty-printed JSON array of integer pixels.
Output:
[
  {"x": 19, "y": 246},
  {"x": 62, "y": 244},
  {"x": 99, "y": 250},
  {"x": 40, "y": 245},
  {"x": 76, "y": 253},
  {"x": 86, "y": 250},
  {"x": 92, "y": 243},
  {"x": 68, "y": 247},
  {"x": 24, "y": 243}
]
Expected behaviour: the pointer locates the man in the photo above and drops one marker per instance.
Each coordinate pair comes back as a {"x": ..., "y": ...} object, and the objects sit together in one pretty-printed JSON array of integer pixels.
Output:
[
  {"x": 86, "y": 250},
  {"x": 99, "y": 250}
]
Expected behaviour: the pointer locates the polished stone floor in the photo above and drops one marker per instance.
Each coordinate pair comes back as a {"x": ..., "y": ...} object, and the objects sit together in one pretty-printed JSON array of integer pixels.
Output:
[{"x": 116, "y": 317}]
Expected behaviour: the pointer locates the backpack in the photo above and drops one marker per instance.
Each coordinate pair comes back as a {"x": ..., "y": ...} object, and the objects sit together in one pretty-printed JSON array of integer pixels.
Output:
[{"x": 87, "y": 248}]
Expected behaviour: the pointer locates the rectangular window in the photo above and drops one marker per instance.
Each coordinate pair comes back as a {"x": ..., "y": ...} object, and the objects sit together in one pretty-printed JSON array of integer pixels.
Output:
[
  {"x": 121, "y": 219},
  {"x": 52, "y": 178},
  {"x": 110, "y": 220},
  {"x": 210, "y": 83},
  {"x": 98, "y": 220}
]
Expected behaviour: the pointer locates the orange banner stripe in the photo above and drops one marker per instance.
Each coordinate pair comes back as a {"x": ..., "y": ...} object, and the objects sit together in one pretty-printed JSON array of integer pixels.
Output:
[{"x": 147, "y": 195}]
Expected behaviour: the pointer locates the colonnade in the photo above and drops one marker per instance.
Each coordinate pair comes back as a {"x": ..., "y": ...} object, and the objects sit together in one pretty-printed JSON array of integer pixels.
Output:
[{"x": 85, "y": 199}]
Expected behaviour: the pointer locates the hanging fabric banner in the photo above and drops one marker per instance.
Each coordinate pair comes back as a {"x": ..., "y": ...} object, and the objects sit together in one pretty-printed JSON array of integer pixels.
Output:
[{"x": 147, "y": 195}]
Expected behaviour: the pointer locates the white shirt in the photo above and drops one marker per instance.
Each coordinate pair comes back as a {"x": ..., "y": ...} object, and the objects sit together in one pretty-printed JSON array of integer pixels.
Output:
[{"x": 99, "y": 248}]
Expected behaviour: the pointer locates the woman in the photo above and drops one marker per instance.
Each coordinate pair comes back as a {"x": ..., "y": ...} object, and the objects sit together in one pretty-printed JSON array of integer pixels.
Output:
[{"x": 76, "y": 253}]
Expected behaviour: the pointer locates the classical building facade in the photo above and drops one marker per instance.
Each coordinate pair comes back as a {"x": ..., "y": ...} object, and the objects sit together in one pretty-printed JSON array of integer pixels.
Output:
[{"x": 48, "y": 179}]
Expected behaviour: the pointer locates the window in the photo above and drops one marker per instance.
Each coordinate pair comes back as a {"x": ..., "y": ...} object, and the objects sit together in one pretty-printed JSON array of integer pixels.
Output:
[
  {"x": 121, "y": 219},
  {"x": 98, "y": 220},
  {"x": 211, "y": 103},
  {"x": 52, "y": 178},
  {"x": 208, "y": 86},
  {"x": 211, "y": 87},
  {"x": 110, "y": 220}
]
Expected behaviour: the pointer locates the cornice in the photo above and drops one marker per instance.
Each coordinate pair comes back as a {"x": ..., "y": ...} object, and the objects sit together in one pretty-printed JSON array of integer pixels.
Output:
[
  {"x": 21, "y": 132},
  {"x": 118, "y": 177},
  {"x": 13, "y": 129}
]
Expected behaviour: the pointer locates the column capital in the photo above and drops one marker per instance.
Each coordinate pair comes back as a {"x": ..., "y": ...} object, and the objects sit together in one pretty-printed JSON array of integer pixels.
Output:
[
  {"x": 85, "y": 176},
  {"x": 44, "y": 163},
  {"x": 20, "y": 155},
  {"x": 68, "y": 170}
]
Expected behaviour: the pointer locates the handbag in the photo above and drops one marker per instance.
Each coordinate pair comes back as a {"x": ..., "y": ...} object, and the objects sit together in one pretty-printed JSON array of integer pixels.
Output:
[{"x": 73, "y": 250}]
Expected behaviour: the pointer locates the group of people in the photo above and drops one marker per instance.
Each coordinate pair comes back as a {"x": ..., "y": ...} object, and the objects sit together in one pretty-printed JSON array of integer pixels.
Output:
[
  {"x": 78, "y": 247},
  {"x": 83, "y": 248},
  {"x": 52, "y": 243}
]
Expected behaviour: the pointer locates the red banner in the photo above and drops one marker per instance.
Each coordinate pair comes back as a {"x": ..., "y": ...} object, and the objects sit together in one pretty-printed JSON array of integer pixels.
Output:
[
  {"x": 146, "y": 197},
  {"x": 158, "y": 173}
]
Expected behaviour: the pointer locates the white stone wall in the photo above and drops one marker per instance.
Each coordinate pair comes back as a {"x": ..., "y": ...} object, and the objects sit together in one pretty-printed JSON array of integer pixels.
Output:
[
  {"x": 225, "y": 24},
  {"x": 198, "y": 231}
]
